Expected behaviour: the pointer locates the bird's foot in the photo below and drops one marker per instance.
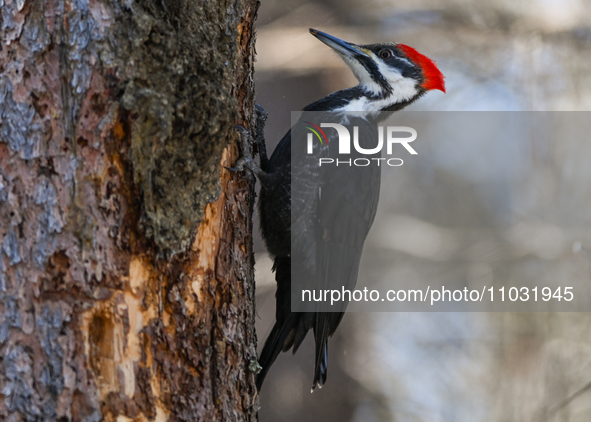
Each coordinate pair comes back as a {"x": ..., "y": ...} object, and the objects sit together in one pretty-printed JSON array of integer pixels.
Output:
[
  {"x": 246, "y": 161},
  {"x": 247, "y": 141},
  {"x": 261, "y": 118}
]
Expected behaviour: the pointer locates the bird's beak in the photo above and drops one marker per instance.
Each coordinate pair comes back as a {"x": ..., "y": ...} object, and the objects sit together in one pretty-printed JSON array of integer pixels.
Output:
[{"x": 342, "y": 47}]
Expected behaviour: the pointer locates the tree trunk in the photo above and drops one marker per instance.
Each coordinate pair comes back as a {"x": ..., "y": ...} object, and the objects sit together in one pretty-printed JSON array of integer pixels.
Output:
[{"x": 126, "y": 281}]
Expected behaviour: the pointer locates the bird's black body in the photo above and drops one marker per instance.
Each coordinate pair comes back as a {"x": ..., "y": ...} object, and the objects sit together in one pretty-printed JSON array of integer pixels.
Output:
[
  {"x": 328, "y": 232},
  {"x": 327, "y": 229}
]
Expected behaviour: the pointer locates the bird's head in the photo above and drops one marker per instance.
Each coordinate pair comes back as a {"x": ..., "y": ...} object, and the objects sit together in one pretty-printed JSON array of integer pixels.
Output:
[{"x": 388, "y": 73}]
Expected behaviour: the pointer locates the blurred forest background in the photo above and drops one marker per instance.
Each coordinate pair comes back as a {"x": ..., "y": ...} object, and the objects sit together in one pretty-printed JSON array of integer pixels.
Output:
[{"x": 499, "y": 55}]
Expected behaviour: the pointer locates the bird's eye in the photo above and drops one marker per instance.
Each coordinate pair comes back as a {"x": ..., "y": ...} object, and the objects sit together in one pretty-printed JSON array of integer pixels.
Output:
[{"x": 384, "y": 54}]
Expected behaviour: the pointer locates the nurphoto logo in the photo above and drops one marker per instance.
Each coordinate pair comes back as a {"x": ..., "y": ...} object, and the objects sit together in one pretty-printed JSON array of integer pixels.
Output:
[{"x": 344, "y": 144}]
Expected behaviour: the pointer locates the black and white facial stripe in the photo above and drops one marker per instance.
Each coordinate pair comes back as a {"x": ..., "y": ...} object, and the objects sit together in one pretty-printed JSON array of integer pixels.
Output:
[{"x": 388, "y": 78}]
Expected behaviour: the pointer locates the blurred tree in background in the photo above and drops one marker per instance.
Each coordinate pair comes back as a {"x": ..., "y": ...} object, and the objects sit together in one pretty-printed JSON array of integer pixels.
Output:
[{"x": 496, "y": 56}]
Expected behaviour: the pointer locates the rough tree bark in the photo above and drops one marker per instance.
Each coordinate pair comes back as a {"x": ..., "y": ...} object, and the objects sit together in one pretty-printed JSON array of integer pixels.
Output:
[{"x": 126, "y": 283}]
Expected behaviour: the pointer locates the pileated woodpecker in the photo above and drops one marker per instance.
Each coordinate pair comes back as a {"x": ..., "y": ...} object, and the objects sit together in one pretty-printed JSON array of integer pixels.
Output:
[{"x": 391, "y": 76}]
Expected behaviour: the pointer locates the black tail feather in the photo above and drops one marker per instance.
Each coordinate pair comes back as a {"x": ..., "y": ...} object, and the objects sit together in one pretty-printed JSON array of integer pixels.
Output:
[
  {"x": 273, "y": 346},
  {"x": 321, "y": 333}
]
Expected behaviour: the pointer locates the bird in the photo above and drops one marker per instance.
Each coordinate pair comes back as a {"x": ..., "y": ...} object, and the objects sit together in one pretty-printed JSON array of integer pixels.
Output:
[{"x": 391, "y": 76}]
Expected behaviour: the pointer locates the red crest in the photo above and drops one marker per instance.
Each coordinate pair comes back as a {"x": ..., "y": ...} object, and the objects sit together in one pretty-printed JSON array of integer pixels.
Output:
[{"x": 434, "y": 79}]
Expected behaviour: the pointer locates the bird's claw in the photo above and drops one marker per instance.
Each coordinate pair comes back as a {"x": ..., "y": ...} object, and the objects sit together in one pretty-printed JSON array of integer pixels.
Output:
[
  {"x": 246, "y": 161},
  {"x": 245, "y": 140},
  {"x": 239, "y": 165},
  {"x": 261, "y": 118},
  {"x": 261, "y": 114},
  {"x": 243, "y": 131}
]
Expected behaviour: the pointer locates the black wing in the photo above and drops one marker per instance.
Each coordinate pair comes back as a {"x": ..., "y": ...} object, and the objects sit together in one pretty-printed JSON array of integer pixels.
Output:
[{"x": 331, "y": 212}]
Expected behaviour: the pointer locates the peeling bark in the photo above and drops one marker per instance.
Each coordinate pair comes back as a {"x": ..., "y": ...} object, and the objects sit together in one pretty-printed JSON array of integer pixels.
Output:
[{"x": 126, "y": 281}]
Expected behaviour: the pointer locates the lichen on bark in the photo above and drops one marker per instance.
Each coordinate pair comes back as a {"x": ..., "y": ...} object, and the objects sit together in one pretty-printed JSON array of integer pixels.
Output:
[{"x": 174, "y": 59}]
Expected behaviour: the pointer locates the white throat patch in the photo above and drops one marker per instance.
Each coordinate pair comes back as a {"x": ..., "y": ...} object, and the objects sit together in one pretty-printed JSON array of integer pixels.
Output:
[{"x": 403, "y": 89}]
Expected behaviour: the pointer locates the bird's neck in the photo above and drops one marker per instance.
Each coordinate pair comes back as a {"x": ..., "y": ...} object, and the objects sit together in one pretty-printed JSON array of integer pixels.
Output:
[{"x": 367, "y": 98}]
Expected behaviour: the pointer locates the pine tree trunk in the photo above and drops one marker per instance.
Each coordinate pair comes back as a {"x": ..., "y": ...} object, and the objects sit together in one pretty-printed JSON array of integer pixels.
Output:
[{"x": 126, "y": 281}]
